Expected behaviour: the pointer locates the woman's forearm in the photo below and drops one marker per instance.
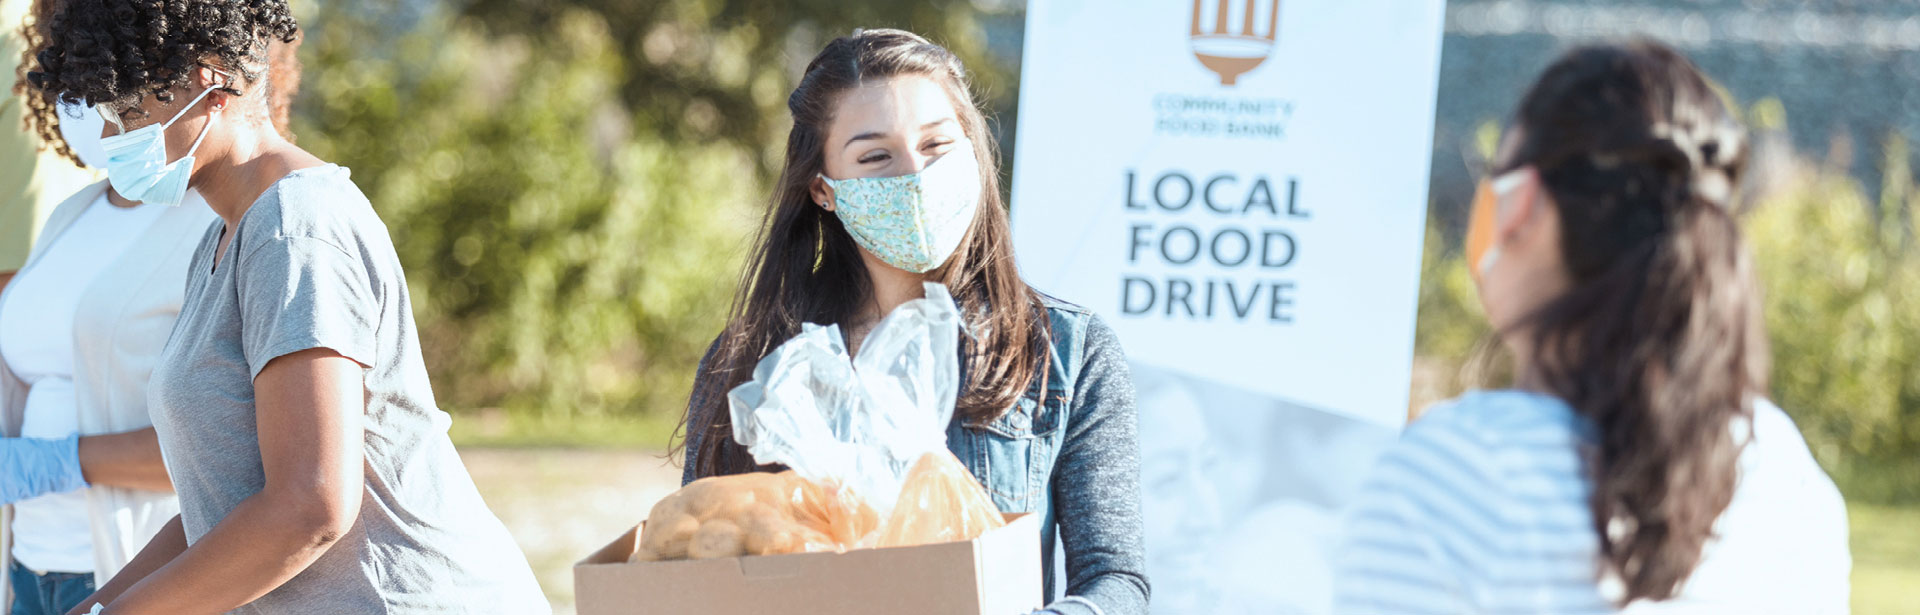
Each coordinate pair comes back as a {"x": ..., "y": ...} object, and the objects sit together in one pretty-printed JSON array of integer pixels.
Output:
[
  {"x": 130, "y": 460},
  {"x": 263, "y": 543},
  {"x": 166, "y": 545},
  {"x": 308, "y": 412}
]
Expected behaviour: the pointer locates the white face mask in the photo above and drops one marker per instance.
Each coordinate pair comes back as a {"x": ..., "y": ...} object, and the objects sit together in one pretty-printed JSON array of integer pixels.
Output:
[
  {"x": 913, "y": 221},
  {"x": 80, "y": 127},
  {"x": 137, "y": 161}
]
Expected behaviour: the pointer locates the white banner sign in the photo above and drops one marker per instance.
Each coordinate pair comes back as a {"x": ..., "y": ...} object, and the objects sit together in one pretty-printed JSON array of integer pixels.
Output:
[
  {"x": 1240, "y": 191},
  {"x": 1239, "y": 187}
]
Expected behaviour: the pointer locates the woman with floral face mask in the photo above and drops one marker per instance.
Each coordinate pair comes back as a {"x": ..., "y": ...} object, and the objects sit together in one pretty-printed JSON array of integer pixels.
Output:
[
  {"x": 890, "y": 181},
  {"x": 290, "y": 399},
  {"x": 1636, "y": 465},
  {"x": 79, "y": 336}
]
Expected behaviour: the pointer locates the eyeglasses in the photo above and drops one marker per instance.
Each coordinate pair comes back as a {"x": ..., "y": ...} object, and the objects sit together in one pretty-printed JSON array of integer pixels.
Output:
[{"x": 112, "y": 111}]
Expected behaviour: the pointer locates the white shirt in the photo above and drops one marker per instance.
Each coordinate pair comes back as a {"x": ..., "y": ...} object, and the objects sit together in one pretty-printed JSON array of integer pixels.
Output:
[
  {"x": 1482, "y": 508},
  {"x": 52, "y": 532}
]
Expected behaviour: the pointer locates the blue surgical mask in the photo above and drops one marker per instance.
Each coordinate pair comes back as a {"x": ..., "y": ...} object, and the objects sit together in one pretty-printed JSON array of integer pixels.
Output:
[
  {"x": 913, "y": 221},
  {"x": 137, "y": 161}
]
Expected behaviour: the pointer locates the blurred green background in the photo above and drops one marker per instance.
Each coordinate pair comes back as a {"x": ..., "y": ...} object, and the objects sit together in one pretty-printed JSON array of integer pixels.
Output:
[{"x": 571, "y": 187}]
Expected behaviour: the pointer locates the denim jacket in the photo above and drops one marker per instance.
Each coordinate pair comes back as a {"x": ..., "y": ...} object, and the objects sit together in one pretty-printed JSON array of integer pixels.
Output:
[{"x": 1067, "y": 451}]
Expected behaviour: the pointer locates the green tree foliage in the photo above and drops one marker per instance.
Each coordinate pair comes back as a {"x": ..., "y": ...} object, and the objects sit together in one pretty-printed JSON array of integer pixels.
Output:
[
  {"x": 704, "y": 70},
  {"x": 1451, "y": 336},
  {"x": 557, "y": 264},
  {"x": 571, "y": 185},
  {"x": 1842, "y": 275}
]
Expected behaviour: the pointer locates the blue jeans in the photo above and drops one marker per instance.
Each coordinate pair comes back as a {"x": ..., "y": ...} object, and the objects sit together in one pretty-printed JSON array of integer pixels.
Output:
[{"x": 53, "y": 593}]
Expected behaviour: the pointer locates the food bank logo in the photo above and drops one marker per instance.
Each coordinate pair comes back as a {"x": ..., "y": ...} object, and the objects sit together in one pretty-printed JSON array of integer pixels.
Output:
[{"x": 1224, "y": 52}]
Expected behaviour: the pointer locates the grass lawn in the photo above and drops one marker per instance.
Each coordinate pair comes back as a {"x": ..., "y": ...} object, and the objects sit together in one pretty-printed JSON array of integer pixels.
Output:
[
  {"x": 499, "y": 429},
  {"x": 1886, "y": 558}
]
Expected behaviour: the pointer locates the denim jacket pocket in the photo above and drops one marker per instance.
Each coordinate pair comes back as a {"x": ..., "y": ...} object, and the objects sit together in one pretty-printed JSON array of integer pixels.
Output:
[{"x": 1013, "y": 454}]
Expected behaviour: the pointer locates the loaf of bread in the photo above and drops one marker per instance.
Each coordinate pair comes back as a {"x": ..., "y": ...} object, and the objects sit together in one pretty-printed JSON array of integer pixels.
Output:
[
  {"x": 758, "y": 513},
  {"x": 763, "y": 513}
]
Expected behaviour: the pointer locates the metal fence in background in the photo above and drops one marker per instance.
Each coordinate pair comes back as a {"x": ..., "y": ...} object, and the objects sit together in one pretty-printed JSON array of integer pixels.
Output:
[{"x": 1847, "y": 72}]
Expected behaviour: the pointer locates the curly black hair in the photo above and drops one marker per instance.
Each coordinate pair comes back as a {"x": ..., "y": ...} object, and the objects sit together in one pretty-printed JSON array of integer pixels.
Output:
[
  {"x": 43, "y": 111},
  {"x": 42, "y": 116},
  {"x": 122, "y": 51}
]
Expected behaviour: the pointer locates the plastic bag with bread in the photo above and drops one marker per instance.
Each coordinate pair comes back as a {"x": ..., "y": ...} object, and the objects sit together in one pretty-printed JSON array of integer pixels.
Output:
[
  {"x": 939, "y": 502},
  {"x": 864, "y": 436},
  {"x": 759, "y": 513}
]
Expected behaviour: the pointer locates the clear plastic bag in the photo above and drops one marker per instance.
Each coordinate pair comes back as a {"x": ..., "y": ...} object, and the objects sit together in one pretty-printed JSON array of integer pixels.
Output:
[
  {"x": 858, "y": 430},
  {"x": 863, "y": 421}
]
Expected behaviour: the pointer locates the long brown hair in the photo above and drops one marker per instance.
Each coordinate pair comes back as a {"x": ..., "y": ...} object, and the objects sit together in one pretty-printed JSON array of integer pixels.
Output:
[
  {"x": 806, "y": 267},
  {"x": 1659, "y": 340}
]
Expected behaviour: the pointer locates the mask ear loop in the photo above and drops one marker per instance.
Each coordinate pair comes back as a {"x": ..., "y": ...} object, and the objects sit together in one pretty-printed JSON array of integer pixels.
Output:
[
  {"x": 203, "y": 136},
  {"x": 1500, "y": 186},
  {"x": 833, "y": 184},
  {"x": 109, "y": 116},
  {"x": 1507, "y": 182},
  {"x": 189, "y": 107},
  {"x": 113, "y": 117},
  {"x": 203, "y": 129}
]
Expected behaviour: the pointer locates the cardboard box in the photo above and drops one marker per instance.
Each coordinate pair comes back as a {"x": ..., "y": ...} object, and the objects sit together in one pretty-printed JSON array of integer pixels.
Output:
[{"x": 995, "y": 574}]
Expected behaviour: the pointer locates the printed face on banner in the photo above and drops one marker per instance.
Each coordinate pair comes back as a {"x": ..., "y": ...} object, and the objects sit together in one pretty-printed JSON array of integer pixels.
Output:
[
  {"x": 1251, "y": 210},
  {"x": 1241, "y": 494}
]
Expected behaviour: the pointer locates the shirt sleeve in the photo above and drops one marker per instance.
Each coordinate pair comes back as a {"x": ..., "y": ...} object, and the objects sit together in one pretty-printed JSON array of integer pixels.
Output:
[
  {"x": 300, "y": 293},
  {"x": 695, "y": 424},
  {"x": 1421, "y": 526},
  {"x": 1096, "y": 486}
]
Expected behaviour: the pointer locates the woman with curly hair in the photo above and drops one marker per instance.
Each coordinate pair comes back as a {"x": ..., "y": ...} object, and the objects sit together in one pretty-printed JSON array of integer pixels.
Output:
[
  {"x": 60, "y": 126},
  {"x": 79, "y": 336},
  {"x": 291, "y": 400}
]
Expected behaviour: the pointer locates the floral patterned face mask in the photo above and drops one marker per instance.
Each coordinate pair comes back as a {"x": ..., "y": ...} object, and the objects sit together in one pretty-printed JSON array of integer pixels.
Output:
[{"x": 913, "y": 221}]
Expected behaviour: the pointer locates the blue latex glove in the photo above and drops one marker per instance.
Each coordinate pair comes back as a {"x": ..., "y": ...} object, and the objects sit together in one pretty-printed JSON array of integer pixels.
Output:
[{"x": 33, "y": 467}]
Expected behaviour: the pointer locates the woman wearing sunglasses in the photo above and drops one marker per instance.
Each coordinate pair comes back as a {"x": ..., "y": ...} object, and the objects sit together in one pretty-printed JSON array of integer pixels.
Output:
[{"x": 291, "y": 402}]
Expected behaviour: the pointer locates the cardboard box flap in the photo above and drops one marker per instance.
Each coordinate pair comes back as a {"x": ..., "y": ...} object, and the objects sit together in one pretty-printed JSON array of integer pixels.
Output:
[
  {"x": 617, "y": 551},
  {"x": 1004, "y": 558}
]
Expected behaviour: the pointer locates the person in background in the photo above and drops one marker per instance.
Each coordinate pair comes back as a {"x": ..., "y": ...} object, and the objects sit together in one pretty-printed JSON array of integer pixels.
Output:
[
  {"x": 1636, "y": 465},
  {"x": 32, "y": 159},
  {"x": 890, "y": 181},
  {"x": 33, "y": 176},
  {"x": 291, "y": 398},
  {"x": 79, "y": 335}
]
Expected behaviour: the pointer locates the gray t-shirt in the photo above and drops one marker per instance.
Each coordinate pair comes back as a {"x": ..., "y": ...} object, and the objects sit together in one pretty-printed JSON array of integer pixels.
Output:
[{"x": 312, "y": 266}]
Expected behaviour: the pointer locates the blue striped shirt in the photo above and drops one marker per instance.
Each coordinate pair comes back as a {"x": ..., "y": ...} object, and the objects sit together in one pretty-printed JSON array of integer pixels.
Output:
[{"x": 1482, "y": 508}]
